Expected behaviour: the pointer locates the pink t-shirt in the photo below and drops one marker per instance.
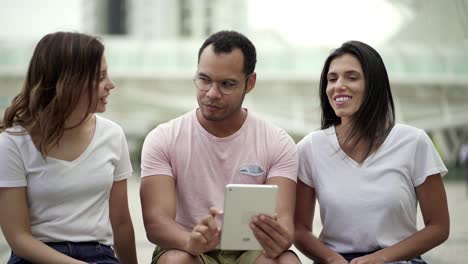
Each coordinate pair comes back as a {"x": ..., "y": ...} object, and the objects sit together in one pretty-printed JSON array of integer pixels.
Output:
[{"x": 202, "y": 164}]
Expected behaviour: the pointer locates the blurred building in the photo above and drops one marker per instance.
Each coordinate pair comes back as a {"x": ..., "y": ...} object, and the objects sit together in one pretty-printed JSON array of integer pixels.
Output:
[
  {"x": 162, "y": 19},
  {"x": 433, "y": 23}
]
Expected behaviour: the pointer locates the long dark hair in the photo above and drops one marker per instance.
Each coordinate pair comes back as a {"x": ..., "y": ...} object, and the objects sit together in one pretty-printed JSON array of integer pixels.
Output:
[
  {"x": 376, "y": 115},
  {"x": 64, "y": 67}
]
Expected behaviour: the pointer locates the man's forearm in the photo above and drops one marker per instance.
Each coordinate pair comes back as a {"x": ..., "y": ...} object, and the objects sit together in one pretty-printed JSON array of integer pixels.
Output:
[
  {"x": 167, "y": 234},
  {"x": 288, "y": 224}
]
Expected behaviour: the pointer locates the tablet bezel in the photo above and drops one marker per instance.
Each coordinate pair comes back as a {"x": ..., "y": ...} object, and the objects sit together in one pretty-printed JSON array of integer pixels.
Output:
[{"x": 241, "y": 202}]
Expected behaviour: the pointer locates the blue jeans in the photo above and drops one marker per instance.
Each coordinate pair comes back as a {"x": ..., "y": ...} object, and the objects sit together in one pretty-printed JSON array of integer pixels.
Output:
[
  {"x": 90, "y": 252},
  {"x": 351, "y": 256}
]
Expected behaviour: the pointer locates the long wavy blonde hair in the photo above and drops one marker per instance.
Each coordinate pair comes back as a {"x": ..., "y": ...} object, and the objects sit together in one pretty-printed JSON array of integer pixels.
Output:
[{"x": 64, "y": 67}]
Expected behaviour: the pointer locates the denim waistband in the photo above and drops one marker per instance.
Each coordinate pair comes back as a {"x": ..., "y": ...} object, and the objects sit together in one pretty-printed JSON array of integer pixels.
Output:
[
  {"x": 89, "y": 252},
  {"x": 85, "y": 243},
  {"x": 351, "y": 256}
]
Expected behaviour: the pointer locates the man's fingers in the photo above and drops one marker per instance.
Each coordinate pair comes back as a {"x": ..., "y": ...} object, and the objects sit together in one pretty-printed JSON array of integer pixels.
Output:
[
  {"x": 215, "y": 211},
  {"x": 271, "y": 248},
  {"x": 198, "y": 237},
  {"x": 210, "y": 222},
  {"x": 270, "y": 227},
  {"x": 265, "y": 219},
  {"x": 215, "y": 241},
  {"x": 268, "y": 251},
  {"x": 207, "y": 232},
  {"x": 203, "y": 230},
  {"x": 270, "y": 234}
]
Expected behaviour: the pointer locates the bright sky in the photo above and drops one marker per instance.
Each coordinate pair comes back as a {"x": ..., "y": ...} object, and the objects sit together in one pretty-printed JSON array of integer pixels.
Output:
[
  {"x": 307, "y": 22},
  {"x": 327, "y": 21},
  {"x": 19, "y": 18}
]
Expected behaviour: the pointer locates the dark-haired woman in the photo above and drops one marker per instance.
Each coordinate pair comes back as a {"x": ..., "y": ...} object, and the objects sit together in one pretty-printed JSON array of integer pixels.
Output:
[
  {"x": 367, "y": 172},
  {"x": 63, "y": 169}
]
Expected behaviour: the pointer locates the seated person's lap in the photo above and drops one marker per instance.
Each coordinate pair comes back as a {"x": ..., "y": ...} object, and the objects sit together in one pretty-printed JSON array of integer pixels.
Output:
[
  {"x": 86, "y": 251},
  {"x": 218, "y": 256}
]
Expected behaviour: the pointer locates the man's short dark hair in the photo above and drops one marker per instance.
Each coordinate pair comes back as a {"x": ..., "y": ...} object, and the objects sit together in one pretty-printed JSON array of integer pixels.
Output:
[{"x": 225, "y": 41}]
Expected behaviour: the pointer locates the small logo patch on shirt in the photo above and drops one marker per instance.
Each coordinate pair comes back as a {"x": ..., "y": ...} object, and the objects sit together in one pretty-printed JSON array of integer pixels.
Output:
[{"x": 251, "y": 170}]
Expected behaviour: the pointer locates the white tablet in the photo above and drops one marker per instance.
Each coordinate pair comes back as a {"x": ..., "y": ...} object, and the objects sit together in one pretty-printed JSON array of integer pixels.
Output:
[{"x": 241, "y": 202}]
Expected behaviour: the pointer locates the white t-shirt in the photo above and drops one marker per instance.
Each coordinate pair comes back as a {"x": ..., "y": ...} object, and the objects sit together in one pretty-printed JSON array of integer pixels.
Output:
[
  {"x": 68, "y": 201},
  {"x": 202, "y": 164},
  {"x": 364, "y": 207}
]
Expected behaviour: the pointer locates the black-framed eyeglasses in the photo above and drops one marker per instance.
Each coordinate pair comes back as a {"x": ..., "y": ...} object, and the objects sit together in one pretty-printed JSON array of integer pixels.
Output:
[{"x": 203, "y": 83}]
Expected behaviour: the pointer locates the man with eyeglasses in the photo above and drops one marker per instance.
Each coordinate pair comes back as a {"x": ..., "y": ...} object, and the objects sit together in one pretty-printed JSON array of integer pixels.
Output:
[{"x": 187, "y": 162}]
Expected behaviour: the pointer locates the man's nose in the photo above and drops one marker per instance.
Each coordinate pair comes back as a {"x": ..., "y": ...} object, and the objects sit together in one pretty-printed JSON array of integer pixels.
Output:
[{"x": 214, "y": 90}]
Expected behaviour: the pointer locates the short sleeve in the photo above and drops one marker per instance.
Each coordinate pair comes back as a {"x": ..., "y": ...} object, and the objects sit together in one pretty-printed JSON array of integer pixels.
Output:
[
  {"x": 426, "y": 160},
  {"x": 123, "y": 167},
  {"x": 285, "y": 158},
  {"x": 155, "y": 158},
  {"x": 305, "y": 161},
  {"x": 12, "y": 172}
]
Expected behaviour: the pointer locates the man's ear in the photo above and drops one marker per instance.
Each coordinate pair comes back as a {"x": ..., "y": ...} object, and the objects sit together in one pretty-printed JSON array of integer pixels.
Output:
[{"x": 251, "y": 82}]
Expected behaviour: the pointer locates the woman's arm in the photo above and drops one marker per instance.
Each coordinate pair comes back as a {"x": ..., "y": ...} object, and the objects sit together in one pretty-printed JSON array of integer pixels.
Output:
[
  {"x": 304, "y": 240},
  {"x": 124, "y": 236},
  {"x": 433, "y": 203},
  {"x": 14, "y": 221}
]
